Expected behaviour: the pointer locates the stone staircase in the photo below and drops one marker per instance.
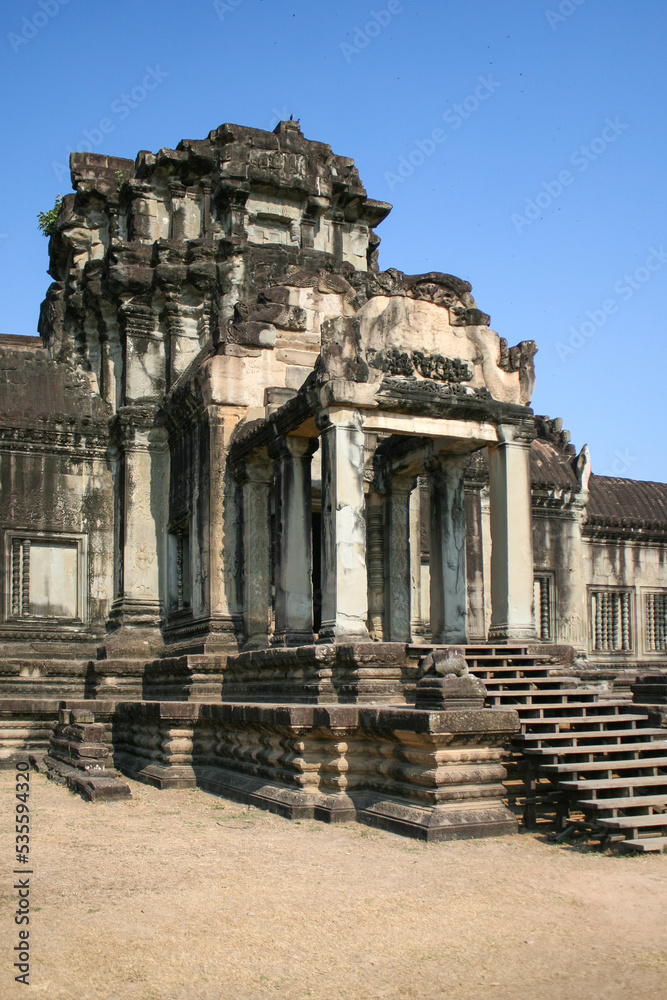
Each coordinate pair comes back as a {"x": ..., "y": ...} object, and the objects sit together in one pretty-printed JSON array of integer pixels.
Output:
[{"x": 587, "y": 749}]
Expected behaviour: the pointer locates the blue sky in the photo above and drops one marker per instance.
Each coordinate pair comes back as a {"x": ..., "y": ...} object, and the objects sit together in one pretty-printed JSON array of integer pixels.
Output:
[{"x": 521, "y": 142}]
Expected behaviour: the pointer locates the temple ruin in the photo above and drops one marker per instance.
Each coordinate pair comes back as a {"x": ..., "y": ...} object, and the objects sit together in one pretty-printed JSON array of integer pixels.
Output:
[{"x": 287, "y": 528}]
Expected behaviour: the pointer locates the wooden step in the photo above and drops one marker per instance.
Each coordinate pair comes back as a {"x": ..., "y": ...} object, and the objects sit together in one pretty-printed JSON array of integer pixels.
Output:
[
  {"x": 602, "y": 784},
  {"x": 604, "y": 748},
  {"x": 637, "y": 822},
  {"x": 644, "y": 844},
  {"x": 594, "y": 734},
  {"x": 541, "y": 699},
  {"x": 585, "y": 719},
  {"x": 624, "y": 802},
  {"x": 537, "y": 683},
  {"x": 613, "y": 765}
]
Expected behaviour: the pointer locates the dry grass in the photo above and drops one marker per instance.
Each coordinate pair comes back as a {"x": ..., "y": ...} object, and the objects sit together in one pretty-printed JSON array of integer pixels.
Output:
[{"x": 179, "y": 895}]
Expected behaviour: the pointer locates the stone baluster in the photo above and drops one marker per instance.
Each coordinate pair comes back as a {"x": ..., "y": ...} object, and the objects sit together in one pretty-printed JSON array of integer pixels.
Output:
[
  {"x": 16, "y": 577},
  {"x": 25, "y": 597}
]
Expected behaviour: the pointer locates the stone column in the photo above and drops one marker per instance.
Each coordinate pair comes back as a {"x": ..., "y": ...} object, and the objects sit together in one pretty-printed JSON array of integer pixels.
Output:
[
  {"x": 255, "y": 478},
  {"x": 375, "y": 556},
  {"x": 448, "y": 550},
  {"x": 511, "y": 536},
  {"x": 398, "y": 577},
  {"x": 416, "y": 623},
  {"x": 294, "y": 578},
  {"x": 344, "y": 579},
  {"x": 570, "y": 610},
  {"x": 475, "y": 562},
  {"x": 217, "y": 520},
  {"x": 141, "y": 486}
]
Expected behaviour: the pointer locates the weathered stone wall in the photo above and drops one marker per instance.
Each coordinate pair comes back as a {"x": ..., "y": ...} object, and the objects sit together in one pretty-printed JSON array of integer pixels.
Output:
[{"x": 56, "y": 497}]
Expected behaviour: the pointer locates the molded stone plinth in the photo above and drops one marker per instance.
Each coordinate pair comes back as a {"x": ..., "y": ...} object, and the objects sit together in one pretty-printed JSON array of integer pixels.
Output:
[
  {"x": 360, "y": 672},
  {"x": 432, "y": 775}
]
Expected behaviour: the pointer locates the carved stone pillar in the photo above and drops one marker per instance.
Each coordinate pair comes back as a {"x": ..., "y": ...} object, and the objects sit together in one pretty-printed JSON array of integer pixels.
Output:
[
  {"x": 448, "y": 552},
  {"x": 375, "y": 556},
  {"x": 144, "y": 212},
  {"x": 294, "y": 580},
  {"x": 144, "y": 359},
  {"x": 416, "y": 623},
  {"x": 398, "y": 580},
  {"x": 177, "y": 193},
  {"x": 511, "y": 536},
  {"x": 141, "y": 485},
  {"x": 344, "y": 580},
  {"x": 255, "y": 477}
]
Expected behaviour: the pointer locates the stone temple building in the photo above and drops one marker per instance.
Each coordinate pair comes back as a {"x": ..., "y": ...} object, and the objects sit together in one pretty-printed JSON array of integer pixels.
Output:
[{"x": 242, "y": 467}]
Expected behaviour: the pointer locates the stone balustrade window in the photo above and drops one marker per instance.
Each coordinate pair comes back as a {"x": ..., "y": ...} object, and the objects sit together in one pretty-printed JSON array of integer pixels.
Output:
[
  {"x": 655, "y": 617},
  {"x": 611, "y": 617},
  {"x": 179, "y": 569},
  {"x": 46, "y": 577},
  {"x": 544, "y": 606}
]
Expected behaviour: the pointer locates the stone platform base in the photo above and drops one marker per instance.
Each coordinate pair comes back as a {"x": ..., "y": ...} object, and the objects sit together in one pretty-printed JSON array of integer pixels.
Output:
[
  {"x": 25, "y": 727},
  {"x": 354, "y": 673},
  {"x": 431, "y": 775}
]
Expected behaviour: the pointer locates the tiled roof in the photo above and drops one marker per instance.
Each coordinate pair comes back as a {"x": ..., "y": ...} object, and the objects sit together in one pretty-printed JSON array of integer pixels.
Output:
[
  {"x": 550, "y": 466},
  {"x": 626, "y": 501}
]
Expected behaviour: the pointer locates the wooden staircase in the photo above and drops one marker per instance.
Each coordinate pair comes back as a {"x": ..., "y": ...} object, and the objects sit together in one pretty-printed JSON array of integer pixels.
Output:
[{"x": 587, "y": 749}]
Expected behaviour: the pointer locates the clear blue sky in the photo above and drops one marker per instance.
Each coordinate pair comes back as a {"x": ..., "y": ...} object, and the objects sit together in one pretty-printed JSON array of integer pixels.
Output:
[{"x": 547, "y": 257}]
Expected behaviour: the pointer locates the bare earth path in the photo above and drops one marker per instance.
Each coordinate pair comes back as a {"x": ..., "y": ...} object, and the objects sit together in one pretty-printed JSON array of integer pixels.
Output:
[{"x": 183, "y": 896}]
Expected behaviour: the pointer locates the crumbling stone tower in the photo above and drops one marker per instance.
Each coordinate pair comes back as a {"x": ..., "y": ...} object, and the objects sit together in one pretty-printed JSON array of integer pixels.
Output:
[{"x": 192, "y": 287}]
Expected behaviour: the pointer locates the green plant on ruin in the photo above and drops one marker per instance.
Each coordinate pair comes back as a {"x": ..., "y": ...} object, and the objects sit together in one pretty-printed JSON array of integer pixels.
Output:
[
  {"x": 47, "y": 220},
  {"x": 120, "y": 179}
]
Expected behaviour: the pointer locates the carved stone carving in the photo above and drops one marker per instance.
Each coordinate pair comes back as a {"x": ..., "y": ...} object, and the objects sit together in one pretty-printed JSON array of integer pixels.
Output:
[
  {"x": 392, "y": 361},
  {"x": 442, "y": 369}
]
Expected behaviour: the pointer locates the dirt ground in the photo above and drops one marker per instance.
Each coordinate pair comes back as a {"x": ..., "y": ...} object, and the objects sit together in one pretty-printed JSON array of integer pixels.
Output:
[{"x": 179, "y": 895}]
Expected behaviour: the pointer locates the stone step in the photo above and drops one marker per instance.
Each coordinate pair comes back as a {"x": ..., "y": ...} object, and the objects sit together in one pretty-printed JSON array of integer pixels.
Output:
[
  {"x": 644, "y": 845},
  {"x": 594, "y": 734},
  {"x": 623, "y": 802},
  {"x": 601, "y": 765}
]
